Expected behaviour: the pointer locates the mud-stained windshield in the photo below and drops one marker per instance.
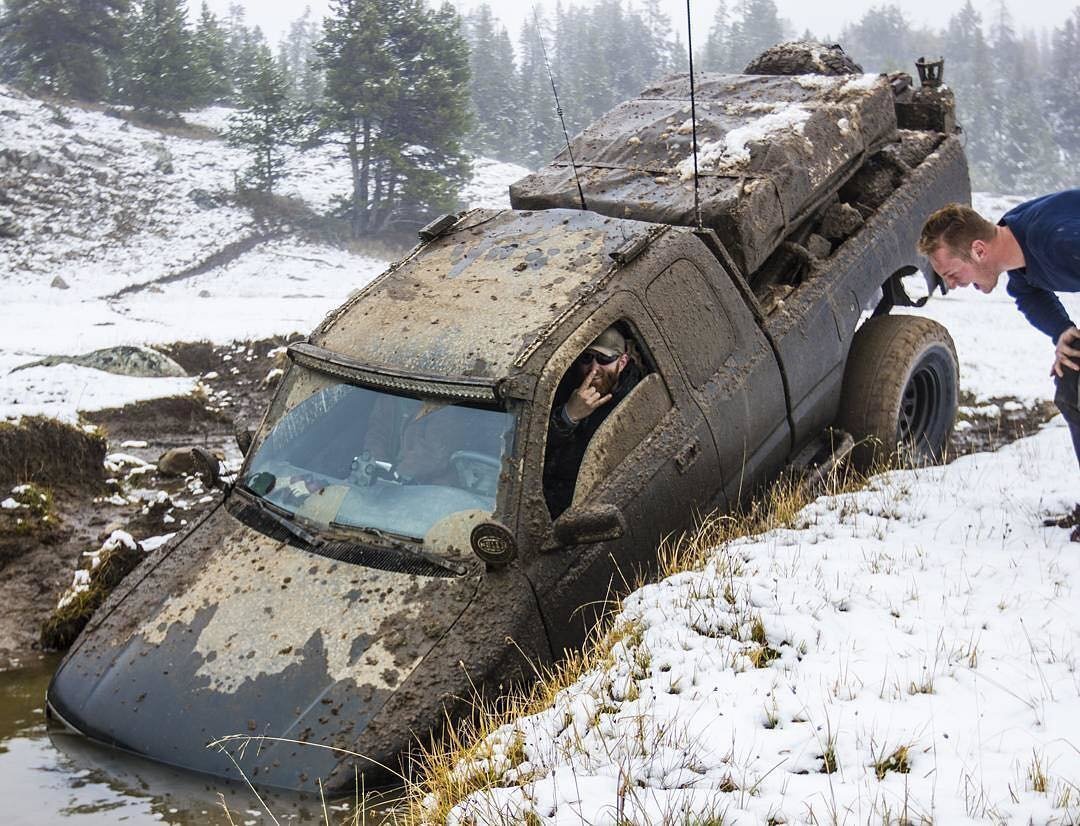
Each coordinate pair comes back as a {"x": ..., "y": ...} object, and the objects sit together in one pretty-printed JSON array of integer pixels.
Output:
[{"x": 343, "y": 456}]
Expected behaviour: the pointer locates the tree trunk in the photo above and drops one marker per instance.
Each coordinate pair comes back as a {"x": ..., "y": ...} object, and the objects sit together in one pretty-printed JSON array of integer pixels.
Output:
[{"x": 359, "y": 160}]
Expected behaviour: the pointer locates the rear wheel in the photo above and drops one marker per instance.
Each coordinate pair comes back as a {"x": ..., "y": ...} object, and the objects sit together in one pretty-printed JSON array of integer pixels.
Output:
[{"x": 900, "y": 391}]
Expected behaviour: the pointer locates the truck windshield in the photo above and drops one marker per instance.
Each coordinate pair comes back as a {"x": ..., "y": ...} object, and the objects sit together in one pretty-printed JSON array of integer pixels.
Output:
[{"x": 344, "y": 456}]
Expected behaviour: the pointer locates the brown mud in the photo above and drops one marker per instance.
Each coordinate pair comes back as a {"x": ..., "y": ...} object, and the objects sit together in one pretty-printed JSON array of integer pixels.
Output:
[
  {"x": 86, "y": 504},
  {"x": 993, "y": 423}
]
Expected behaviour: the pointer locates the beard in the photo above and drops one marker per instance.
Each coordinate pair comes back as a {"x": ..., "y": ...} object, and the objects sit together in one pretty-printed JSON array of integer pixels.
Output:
[{"x": 604, "y": 381}]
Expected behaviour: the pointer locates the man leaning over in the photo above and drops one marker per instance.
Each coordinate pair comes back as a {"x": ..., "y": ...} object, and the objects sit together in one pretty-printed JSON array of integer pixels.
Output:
[{"x": 1038, "y": 243}]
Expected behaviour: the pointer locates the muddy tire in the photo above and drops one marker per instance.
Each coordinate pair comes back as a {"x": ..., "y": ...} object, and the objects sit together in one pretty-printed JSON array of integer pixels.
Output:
[{"x": 900, "y": 391}]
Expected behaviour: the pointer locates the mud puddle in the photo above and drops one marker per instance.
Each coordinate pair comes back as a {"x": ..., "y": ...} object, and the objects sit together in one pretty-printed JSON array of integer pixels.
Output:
[
  {"x": 985, "y": 425},
  {"x": 50, "y": 776}
]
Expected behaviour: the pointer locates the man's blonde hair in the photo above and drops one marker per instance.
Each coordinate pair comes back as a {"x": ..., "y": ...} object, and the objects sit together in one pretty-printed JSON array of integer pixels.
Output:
[{"x": 955, "y": 227}]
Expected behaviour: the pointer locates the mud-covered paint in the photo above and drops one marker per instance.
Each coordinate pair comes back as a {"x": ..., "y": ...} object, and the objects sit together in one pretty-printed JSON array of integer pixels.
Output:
[
  {"x": 469, "y": 303},
  {"x": 254, "y": 637}
]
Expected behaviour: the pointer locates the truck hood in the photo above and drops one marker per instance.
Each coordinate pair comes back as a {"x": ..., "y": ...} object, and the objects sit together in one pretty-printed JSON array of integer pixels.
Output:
[{"x": 234, "y": 633}]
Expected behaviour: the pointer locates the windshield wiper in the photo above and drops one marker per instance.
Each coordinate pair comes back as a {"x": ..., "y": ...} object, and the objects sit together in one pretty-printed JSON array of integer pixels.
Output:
[
  {"x": 401, "y": 544},
  {"x": 266, "y": 509}
]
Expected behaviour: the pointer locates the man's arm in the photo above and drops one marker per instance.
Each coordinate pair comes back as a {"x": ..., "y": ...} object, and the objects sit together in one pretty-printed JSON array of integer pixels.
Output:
[{"x": 1040, "y": 307}]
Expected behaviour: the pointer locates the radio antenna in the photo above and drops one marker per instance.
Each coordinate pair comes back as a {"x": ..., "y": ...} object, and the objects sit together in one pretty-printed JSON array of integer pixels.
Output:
[
  {"x": 558, "y": 106},
  {"x": 693, "y": 112}
]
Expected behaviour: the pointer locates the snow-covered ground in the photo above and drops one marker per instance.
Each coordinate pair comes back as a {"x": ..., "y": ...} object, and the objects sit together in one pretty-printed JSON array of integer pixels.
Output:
[
  {"x": 96, "y": 214},
  {"x": 928, "y": 619}
]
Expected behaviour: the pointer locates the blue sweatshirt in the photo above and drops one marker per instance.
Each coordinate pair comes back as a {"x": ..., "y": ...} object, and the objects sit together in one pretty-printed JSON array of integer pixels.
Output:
[{"x": 1048, "y": 231}]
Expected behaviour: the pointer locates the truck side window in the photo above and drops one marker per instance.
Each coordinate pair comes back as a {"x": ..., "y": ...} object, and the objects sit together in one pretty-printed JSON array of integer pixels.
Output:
[
  {"x": 572, "y": 426},
  {"x": 680, "y": 299}
]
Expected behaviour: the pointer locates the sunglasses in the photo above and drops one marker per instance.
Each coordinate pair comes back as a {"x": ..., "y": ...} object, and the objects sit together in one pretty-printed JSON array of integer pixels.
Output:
[{"x": 588, "y": 357}]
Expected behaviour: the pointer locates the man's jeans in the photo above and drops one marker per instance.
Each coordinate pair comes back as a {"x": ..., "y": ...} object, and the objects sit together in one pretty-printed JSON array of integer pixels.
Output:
[{"x": 1067, "y": 400}]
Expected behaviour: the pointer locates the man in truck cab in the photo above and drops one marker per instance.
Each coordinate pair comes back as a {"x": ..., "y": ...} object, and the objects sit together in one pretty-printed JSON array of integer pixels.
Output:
[
  {"x": 1038, "y": 243},
  {"x": 594, "y": 385}
]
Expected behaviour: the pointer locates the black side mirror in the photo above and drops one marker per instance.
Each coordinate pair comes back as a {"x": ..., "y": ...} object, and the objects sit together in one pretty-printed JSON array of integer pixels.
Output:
[{"x": 583, "y": 526}]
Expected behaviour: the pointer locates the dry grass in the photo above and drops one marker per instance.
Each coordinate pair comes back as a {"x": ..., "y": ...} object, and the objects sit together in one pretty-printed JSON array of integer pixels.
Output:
[
  {"x": 49, "y": 452},
  {"x": 444, "y": 781}
]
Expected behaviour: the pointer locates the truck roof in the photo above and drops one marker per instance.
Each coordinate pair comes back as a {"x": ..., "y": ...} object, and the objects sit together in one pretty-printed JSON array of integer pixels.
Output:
[
  {"x": 769, "y": 149},
  {"x": 478, "y": 301}
]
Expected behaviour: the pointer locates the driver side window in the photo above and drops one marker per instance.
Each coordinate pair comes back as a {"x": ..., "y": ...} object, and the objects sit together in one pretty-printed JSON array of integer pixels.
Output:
[{"x": 610, "y": 390}]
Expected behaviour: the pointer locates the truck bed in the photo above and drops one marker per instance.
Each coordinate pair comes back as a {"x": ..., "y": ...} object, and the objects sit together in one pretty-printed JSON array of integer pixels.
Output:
[{"x": 770, "y": 149}]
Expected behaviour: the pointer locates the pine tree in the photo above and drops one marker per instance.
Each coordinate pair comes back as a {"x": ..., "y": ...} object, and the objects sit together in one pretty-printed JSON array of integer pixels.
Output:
[
  {"x": 299, "y": 61},
  {"x": 968, "y": 73},
  {"x": 1021, "y": 153},
  {"x": 660, "y": 41},
  {"x": 245, "y": 44},
  {"x": 1063, "y": 86},
  {"x": 495, "y": 93},
  {"x": 541, "y": 136},
  {"x": 716, "y": 56},
  {"x": 396, "y": 100},
  {"x": 62, "y": 46},
  {"x": 211, "y": 75},
  {"x": 158, "y": 67},
  {"x": 881, "y": 41},
  {"x": 267, "y": 123},
  {"x": 757, "y": 28}
]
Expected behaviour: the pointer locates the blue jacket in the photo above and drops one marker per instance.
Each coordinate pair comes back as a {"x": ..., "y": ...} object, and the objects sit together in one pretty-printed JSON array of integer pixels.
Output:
[{"x": 1048, "y": 231}]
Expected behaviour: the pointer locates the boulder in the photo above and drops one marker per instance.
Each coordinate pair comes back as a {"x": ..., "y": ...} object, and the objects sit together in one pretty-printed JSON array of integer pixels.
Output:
[
  {"x": 125, "y": 360},
  {"x": 840, "y": 221},
  {"x": 188, "y": 461}
]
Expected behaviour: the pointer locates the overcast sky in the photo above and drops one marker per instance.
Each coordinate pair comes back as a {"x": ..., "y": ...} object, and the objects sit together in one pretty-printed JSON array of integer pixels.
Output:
[{"x": 821, "y": 18}]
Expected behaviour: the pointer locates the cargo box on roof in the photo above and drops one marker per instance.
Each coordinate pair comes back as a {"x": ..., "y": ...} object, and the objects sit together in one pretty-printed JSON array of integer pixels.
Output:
[{"x": 770, "y": 149}]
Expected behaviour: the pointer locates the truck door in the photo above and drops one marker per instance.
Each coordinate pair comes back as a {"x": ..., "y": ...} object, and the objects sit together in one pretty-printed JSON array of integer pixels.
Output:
[
  {"x": 730, "y": 369},
  {"x": 653, "y": 458}
]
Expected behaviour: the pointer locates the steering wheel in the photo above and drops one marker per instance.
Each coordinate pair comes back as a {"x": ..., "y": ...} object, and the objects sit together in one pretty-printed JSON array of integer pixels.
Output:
[
  {"x": 464, "y": 463},
  {"x": 365, "y": 470}
]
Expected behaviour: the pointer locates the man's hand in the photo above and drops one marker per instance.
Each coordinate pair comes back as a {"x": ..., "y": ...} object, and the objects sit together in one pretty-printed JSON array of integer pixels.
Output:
[
  {"x": 587, "y": 398},
  {"x": 1066, "y": 354}
]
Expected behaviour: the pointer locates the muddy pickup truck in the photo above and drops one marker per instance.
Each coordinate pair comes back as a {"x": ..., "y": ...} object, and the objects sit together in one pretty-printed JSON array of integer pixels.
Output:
[{"x": 388, "y": 548}]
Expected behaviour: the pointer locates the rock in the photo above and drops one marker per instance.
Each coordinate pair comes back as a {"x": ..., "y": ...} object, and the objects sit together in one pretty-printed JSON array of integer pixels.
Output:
[
  {"x": 801, "y": 57},
  {"x": 840, "y": 221},
  {"x": 818, "y": 246},
  {"x": 184, "y": 461},
  {"x": 59, "y": 283},
  {"x": 125, "y": 360},
  {"x": 204, "y": 293},
  {"x": 8, "y": 227},
  {"x": 204, "y": 199},
  {"x": 163, "y": 159}
]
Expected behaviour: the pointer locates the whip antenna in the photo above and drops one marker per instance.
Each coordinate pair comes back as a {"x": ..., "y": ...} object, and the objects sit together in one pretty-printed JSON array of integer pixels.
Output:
[
  {"x": 558, "y": 106},
  {"x": 693, "y": 111}
]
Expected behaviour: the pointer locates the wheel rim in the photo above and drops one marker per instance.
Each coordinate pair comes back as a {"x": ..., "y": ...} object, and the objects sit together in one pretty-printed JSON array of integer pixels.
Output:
[{"x": 924, "y": 408}]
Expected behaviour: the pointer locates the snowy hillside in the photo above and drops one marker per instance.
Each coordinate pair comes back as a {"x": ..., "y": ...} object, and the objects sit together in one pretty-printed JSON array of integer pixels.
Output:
[
  {"x": 119, "y": 234},
  {"x": 904, "y": 654}
]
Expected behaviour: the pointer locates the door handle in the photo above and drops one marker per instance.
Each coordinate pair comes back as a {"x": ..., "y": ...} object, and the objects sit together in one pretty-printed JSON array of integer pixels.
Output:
[{"x": 687, "y": 455}]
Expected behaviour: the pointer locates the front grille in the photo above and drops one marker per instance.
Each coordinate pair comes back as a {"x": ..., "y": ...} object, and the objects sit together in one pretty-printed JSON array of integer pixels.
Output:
[{"x": 351, "y": 553}]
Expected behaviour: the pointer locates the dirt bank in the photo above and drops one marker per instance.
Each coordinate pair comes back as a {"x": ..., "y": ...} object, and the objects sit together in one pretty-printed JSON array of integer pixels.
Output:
[{"x": 123, "y": 490}]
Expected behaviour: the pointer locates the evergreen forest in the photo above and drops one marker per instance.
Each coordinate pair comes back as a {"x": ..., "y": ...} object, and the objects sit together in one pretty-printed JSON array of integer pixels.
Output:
[{"x": 410, "y": 92}]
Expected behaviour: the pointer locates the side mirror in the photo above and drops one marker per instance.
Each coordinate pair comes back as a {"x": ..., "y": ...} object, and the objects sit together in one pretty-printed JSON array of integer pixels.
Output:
[
  {"x": 244, "y": 438},
  {"x": 585, "y": 525}
]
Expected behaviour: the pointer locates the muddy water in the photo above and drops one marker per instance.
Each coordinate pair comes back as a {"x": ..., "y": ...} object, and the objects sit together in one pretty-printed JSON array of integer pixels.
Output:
[{"x": 48, "y": 776}]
